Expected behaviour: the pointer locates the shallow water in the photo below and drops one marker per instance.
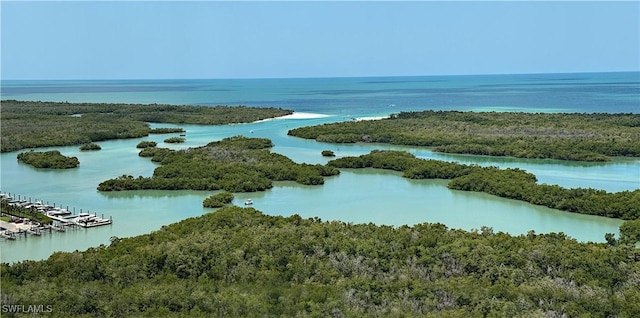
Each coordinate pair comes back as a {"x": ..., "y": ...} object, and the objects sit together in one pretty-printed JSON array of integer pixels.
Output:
[{"x": 358, "y": 196}]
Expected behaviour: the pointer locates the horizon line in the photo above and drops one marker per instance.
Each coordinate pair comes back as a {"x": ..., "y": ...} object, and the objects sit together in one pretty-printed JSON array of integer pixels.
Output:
[{"x": 309, "y": 77}]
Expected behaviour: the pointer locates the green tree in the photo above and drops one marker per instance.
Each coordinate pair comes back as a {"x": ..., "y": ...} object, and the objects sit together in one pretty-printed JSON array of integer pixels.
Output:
[
  {"x": 630, "y": 232},
  {"x": 90, "y": 146},
  {"x": 146, "y": 144},
  {"x": 218, "y": 200}
]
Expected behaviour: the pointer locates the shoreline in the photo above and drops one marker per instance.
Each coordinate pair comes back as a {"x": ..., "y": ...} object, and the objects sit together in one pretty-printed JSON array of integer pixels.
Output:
[
  {"x": 371, "y": 118},
  {"x": 296, "y": 115}
]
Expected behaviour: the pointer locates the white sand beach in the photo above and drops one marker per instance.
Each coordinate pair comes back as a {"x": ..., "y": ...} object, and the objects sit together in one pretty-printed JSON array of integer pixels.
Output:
[
  {"x": 297, "y": 115},
  {"x": 301, "y": 115},
  {"x": 370, "y": 118}
]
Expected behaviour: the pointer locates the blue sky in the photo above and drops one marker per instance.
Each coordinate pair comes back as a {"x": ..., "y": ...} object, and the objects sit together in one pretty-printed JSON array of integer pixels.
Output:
[{"x": 148, "y": 40}]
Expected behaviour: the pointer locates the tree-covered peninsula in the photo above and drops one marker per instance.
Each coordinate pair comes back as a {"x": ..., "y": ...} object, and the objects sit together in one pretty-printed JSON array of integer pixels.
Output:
[
  {"x": 235, "y": 164},
  {"x": 218, "y": 200},
  {"x": 48, "y": 159},
  {"x": 42, "y": 124},
  {"x": 508, "y": 183},
  {"x": 583, "y": 137},
  {"x": 238, "y": 262}
]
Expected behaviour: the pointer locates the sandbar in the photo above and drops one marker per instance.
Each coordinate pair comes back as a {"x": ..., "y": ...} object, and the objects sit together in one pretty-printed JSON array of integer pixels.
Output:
[
  {"x": 370, "y": 118},
  {"x": 297, "y": 115}
]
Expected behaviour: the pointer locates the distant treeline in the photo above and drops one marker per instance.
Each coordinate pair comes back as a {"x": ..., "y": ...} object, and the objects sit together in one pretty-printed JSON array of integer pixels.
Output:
[
  {"x": 507, "y": 183},
  {"x": 166, "y": 130},
  {"x": 235, "y": 164},
  {"x": 238, "y": 262},
  {"x": 41, "y": 124},
  {"x": 582, "y": 137},
  {"x": 48, "y": 159}
]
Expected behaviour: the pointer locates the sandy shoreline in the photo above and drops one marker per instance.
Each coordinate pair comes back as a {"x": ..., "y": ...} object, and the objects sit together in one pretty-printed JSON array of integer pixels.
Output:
[
  {"x": 297, "y": 115},
  {"x": 303, "y": 115},
  {"x": 370, "y": 118}
]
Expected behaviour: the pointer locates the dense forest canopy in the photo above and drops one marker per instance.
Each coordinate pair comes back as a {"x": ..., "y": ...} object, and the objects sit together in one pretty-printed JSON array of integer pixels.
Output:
[
  {"x": 583, "y": 137},
  {"x": 236, "y": 164},
  {"x": 508, "y": 183},
  {"x": 41, "y": 124},
  {"x": 237, "y": 262}
]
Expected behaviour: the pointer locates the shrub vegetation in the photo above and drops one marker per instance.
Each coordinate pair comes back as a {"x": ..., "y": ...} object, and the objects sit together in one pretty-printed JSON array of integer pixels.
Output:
[
  {"x": 146, "y": 144},
  {"x": 48, "y": 159},
  {"x": 42, "y": 124},
  {"x": 218, "y": 200},
  {"x": 166, "y": 130},
  {"x": 90, "y": 146},
  {"x": 175, "y": 140},
  {"x": 238, "y": 262},
  {"x": 508, "y": 183},
  {"x": 583, "y": 137},
  {"x": 235, "y": 164}
]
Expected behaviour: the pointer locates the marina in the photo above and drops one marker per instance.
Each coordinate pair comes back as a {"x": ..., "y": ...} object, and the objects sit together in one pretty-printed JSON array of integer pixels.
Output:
[{"x": 15, "y": 225}]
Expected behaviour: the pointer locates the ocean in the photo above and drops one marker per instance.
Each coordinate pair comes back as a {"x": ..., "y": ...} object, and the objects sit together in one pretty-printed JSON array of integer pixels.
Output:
[
  {"x": 369, "y": 96},
  {"x": 358, "y": 196}
]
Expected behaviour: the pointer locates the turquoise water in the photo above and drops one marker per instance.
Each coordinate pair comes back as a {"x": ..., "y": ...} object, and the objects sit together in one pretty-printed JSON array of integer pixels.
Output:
[
  {"x": 585, "y": 92},
  {"x": 358, "y": 196}
]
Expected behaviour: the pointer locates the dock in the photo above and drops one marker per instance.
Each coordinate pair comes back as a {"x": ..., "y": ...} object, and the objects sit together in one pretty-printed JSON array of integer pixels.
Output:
[{"x": 63, "y": 218}]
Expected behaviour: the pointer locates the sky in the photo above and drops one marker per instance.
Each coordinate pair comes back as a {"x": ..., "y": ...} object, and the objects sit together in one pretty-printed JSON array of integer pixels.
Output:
[{"x": 203, "y": 39}]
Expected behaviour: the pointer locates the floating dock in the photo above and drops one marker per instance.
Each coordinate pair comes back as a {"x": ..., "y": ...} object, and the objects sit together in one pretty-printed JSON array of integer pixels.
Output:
[{"x": 62, "y": 218}]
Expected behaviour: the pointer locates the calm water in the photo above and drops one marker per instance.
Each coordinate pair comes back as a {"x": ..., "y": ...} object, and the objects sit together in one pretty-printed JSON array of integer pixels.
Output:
[{"x": 356, "y": 195}]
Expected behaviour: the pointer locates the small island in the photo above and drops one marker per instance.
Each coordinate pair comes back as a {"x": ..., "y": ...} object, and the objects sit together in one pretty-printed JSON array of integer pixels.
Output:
[
  {"x": 328, "y": 153},
  {"x": 90, "y": 147},
  {"x": 146, "y": 144},
  {"x": 235, "y": 164},
  {"x": 175, "y": 140},
  {"x": 48, "y": 159}
]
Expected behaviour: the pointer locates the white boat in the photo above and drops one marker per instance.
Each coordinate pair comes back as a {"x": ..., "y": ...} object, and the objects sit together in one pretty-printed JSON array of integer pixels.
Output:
[
  {"x": 59, "y": 211},
  {"x": 248, "y": 202}
]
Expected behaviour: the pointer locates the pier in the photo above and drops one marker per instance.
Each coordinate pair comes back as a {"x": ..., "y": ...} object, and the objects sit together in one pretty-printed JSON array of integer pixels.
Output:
[{"x": 20, "y": 225}]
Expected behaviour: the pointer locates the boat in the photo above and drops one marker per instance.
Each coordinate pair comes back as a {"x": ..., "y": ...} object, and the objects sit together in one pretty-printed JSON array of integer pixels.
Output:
[
  {"x": 93, "y": 222},
  {"x": 58, "y": 211},
  {"x": 248, "y": 202},
  {"x": 8, "y": 235}
]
